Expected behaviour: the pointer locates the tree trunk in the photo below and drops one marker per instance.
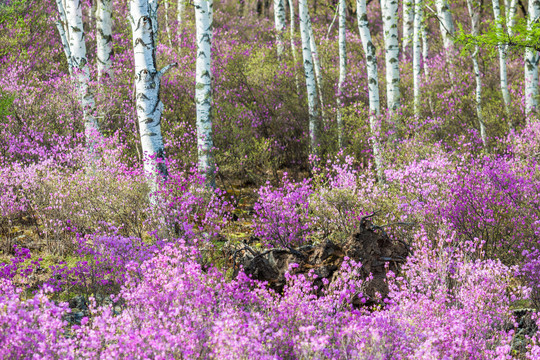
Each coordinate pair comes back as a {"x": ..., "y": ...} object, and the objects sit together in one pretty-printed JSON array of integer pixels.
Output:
[
  {"x": 167, "y": 25},
  {"x": 77, "y": 48},
  {"x": 316, "y": 65},
  {"x": 203, "y": 90},
  {"x": 104, "y": 38},
  {"x": 279, "y": 20},
  {"x": 62, "y": 27},
  {"x": 147, "y": 86},
  {"x": 474, "y": 12},
  {"x": 408, "y": 22},
  {"x": 531, "y": 64},
  {"x": 391, "y": 43},
  {"x": 342, "y": 68},
  {"x": 181, "y": 6},
  {"x": 373, "y": 84},
  {"x": 446, "y": 23},
  {"x": 310, "y": 77},
  {"x": 293, "y": 45},
  {"x": 418, "y": 15}
]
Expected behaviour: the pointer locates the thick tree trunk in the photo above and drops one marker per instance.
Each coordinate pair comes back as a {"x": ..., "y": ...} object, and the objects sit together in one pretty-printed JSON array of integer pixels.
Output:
[
  {"x": 81, "y": 72},
  {"x": 373, "y": 84},
  {"x": 310, "y": 77},
  {"x": 531, "y": 63},
  {"x": 342, "y": 68},
  {"x": 147, "y": 86},
  {"x": 203, "y": 90},
  {"x": 446, "y": 23},
  {"x": 418, "y": 15},
  {"x": 391, "y": 43},
  {"x": 408, "y": 22},
  {"x": 474, "y": 12},
  {"x": 279, "y": 24},
  {"x": 104, "y": 38}
]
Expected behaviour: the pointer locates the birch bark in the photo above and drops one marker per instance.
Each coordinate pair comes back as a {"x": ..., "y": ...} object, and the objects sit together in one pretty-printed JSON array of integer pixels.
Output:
[
  {"x": 342, "y": 68},
  {"x": 310, "y": 77},
  {"x": 104, "y": 38},
  {"x": 203, "y": 90},
  {"x": 316, "y": 64},
  {"x": 279, "y": 24},
  {"x": 81, "y": 72},
  {"x": 293, "y": 44},
  {"x": 373, "y": 83},
  {"x": 531, "y": 63},
  {"x": 62, "y": 27},
  {"x": 474, "y": 12},
  {"x": 147, "y": 87},
  {"x": 167, "y": 25},
  {"x": 408, "y": 22},
  {"x": 181, "y": 6},
  {"x": 390, "y": 34},
  {"x": 446, "y": 23},
  {"x": 418, "y": 15}
]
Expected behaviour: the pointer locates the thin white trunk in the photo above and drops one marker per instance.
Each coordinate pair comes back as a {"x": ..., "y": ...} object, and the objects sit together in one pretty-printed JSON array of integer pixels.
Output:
[
  {"x": 63, "y": 31},
  {"x": 147, "y": 86},
  {"x": 510, "y": 7},
  {"x": 77, "y": 46},
  {"x": 293, "y": 45},
  {"x": 391, "y": 43},
  {"x": 531, "y": 63},
  {"x": 104, "y": 38},
  {"x": 474, "y": 12},
  {"x": 279, "y": 20},
  {"x": 167, "y": 26},
  {"x": 418, "y": 15},
  {"x": 181, "y": 6},
  {"x": 408, "y": 22},
  {"x": 203, "y": 90},
  {"x": 310, "y": 77},
  {"x": 502, "y": 60},
  {"x": 425, "y": 50},
  {"x": 342, "y": 68},
  {"x": 316, "y": 64},
  {"x": 446, "y": 23},
  {"x": 373, "y": 83}
]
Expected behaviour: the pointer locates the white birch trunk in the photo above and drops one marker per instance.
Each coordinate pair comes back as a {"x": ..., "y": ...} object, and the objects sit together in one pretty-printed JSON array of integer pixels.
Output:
[
  {"x": 418, "y": 15},
  {"x": 316, "y": 64},
  {"x": 342, "y": 68},
  {"x": 510, "y": 7},
  {"x": 104, "y": 38},
  {"x": 502, "y": 59},
  {"x": 63, "y": 31},
  {"x": 408, "y": 22},
  {"x": 293, "y": 45},
  {"x": 474, "y": 12},
  {"x": 425, "y": 50},
  {"x": 167, "y": 25},
  {"x": 531, "y": 63},
  {"x": 279, "y": 24},
  {"x": 81, "y": 71},
  {"x": 147, "y": 86},
  {"x": 181, "y": 7},
  {"x": 310, "y": 77},
  {"x": 391, "y": 43},
  {"x": 203, "y": 90},
  {"x": 373, "y": 83},
  {"x": 446, "y": 23}
]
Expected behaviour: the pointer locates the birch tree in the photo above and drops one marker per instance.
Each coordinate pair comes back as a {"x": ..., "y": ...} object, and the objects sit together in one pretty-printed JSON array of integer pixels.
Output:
[
  {"x": 72, "y": 32},
  {"x": 147, "y": 86},
  {"x": 180, "y": 8},
  {"x": 279, "y": 24},
  {"x": 418, "y": 15},
  {"x": 167, "y": 25},
  {"x": 293, "y": 44},
  {"x": 342, "y": 68},
  {"x": 310, "y": 77},
  {"x": 316, "y": 63},
  {"x": 104, "y": 38},
  {"x": 391, "y": 44},
  {"x": 373, "y": 83},
  {"x": 203, "y": 90},
  {"x": 408, "y": 22},
  {"x": 531, "y": 62},
  {"x": 474, "y": 11},
  {"x": 446, "y": 23},
  {"x": 510, "y": 8}
]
